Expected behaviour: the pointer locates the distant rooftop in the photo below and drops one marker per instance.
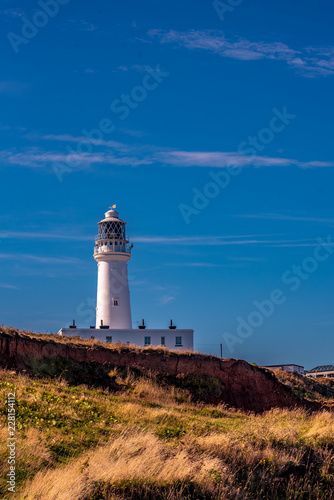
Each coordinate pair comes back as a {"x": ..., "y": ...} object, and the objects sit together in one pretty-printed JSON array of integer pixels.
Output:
[
  {"x": 283, "y": 364},
  {"x": 323, "y": 368}
]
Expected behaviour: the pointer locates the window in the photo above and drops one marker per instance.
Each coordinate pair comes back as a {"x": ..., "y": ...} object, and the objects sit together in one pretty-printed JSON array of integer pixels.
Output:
[
  {"x": 115, "y": 302},
  {"x": 163, "y": 341},
  {"x": 147, "y": 341},
  {"x": 178, "y": 341},
  {"x": 92, "y": 337},
  {"x": 109, "y": 340}
]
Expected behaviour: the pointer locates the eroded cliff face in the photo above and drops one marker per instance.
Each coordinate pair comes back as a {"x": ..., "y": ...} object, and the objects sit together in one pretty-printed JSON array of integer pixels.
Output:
[{"x": 210, "y": 379}]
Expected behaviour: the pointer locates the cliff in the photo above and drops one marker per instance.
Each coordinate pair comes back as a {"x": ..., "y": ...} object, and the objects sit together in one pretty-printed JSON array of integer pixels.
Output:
[{"x": 208, "y": 378}]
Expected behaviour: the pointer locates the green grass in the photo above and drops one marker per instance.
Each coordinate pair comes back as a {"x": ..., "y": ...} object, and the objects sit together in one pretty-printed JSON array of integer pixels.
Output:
[{"x": 205, "y": 451}]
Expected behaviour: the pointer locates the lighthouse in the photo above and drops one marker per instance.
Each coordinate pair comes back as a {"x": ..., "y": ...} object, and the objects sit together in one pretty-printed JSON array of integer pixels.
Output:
[{"x": 112, "y": 253}]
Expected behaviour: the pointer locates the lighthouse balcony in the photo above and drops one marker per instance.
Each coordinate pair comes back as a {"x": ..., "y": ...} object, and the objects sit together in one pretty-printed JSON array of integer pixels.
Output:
[{"x": 105, "y": 246}]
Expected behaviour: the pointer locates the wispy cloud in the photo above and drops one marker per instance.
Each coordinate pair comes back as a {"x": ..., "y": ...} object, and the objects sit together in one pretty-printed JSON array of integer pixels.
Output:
[
  {"x": 38, "y": 158},
  {"x": 189, "y": 240},
  {"x": 39, "y": 259},
  {"x": 166, "y": 299},
  {"x": 80, "y": 25},
  {"x": 194, "y": 264},
  {"x": 247, "y": 259},
  {"x": 226, "y": 159},
  {"x": 43, "y": 235},
  {"x": 141, "y": 68},
  {"x": 119, "y": 146},
  {"x": 15, "y": 12},
  {"x": 223, "y": 241},
  {"x": 11, "y": 87},
  {"x": 226, "y": 240},
  {"x": 109, "y": 152},
  {"x": 296, "y": 218},
  {"x": 136, "y": 155},
  {"x": 133, "y": 133},
  {"x": 309, "y": 61},
  {"x": 8, "y": 128},
  {"x": 164, "y": 240},
  {"x": 9, "y": 287}
]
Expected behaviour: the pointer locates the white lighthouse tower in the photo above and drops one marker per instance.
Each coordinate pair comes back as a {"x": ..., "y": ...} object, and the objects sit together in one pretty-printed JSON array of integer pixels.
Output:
[
  {"x": 112, "y": 253},
  {"x": 113, "y": 313}
]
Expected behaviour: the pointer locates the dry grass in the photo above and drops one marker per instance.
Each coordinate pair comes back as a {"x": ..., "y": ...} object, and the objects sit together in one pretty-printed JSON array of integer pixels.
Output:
[
  {"x": 214, "y": 464},
  {"x": 151, "y": 442},
  {"x": 305, "y": 387},
  {"x": 132, "y": 457}
]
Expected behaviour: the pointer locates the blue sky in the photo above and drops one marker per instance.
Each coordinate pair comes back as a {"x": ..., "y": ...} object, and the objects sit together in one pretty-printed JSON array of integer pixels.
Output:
[{"x": 210, "y": 130}]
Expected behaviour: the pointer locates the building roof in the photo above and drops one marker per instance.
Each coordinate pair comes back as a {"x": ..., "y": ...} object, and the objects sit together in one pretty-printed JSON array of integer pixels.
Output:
[
  {"x": 323, "y": 368},
  {"x": 283, "y": 364}
]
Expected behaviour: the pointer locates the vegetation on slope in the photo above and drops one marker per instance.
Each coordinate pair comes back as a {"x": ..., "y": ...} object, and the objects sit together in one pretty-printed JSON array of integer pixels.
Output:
[
  {"x": 210, "y": 379},
  {"x": 150, "y": 441},
  {"x": 313, "y": 389}
]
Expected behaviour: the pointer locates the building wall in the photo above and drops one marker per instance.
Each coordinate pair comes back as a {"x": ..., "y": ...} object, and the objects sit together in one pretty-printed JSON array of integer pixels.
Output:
[
  {"x": 136, "y": 337},
  {"x": 326, "y": 373},
  {"x": 287, "y": 368}
]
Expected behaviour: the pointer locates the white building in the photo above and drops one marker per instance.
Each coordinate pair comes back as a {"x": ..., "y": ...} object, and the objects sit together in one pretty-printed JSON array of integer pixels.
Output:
[
  {"x": 321, "y": 371},
  {"x": 287, "y": 368},
  {"x": 113, "y": 312}
]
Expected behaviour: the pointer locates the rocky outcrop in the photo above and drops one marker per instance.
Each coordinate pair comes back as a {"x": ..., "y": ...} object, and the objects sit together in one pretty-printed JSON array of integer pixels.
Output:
[{"x": 210, "y": 379}]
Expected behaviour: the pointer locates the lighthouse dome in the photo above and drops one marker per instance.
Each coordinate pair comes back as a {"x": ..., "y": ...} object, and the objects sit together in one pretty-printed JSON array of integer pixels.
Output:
[{"x": 112, "y": 214}]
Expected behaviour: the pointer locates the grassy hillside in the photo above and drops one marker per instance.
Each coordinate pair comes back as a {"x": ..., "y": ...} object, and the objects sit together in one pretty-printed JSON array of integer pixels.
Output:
[
  {"x": 313, "y": 389},
  {"x": 150, "y": 441}
]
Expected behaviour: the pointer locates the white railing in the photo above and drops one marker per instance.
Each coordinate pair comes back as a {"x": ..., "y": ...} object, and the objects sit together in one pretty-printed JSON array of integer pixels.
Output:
[{"x": 104, "y": 247}]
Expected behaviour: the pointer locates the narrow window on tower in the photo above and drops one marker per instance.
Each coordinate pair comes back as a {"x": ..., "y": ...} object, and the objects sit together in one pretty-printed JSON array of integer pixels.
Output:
[
  {"x": 147, "y": 341},
  {"x": 115, "y": 302}
]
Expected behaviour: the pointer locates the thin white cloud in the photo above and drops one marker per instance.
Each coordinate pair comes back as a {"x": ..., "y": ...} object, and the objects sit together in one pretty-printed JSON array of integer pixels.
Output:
[
  {"x": 9, "y": 287},
  {"x": 37, "y": 158},
  {"x": 58, "y": 235},
  {"x": 119, "y": 146},
  {"x": 15, "y": 12},
  {"x": 194, "y": 264},
  {"x": 11, "y": 87},
  {"x": 40, "y": 259},
  {"x": 80, "y": 25},
  {"x": 109, "y": 152},
  {"x": 227, "y": 159},
  {"x": 221, "y": 241},
  {"x": 247, "y": 259},
  {"x": 6, "y": 128},
  {"x": 309, "y": 61},
  {"x": 133, "y": 133},
  {"x": 135, "y": 156},
  {"x": 296, "y": 218},
  {"x": 140, "y": 68},
  {"x": 166, "y": 299},
  {"x": 226, "y": 240},
  {"x": 196, "y": 240},
  {"x": 42, "y": 235}
]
